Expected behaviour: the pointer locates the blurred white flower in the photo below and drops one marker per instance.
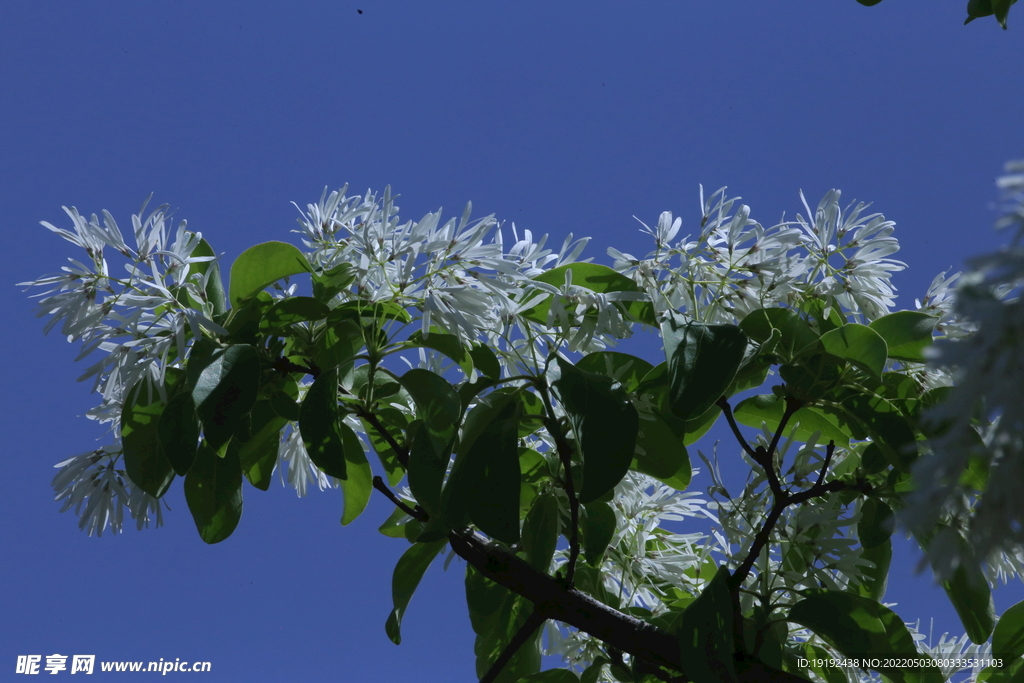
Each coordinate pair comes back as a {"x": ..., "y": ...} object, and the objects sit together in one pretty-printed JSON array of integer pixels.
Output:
[{"x": 983, "y": 417}]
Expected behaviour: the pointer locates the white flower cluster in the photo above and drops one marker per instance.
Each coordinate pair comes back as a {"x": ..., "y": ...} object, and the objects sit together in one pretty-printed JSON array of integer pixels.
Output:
[
  {"x": 140, "y": 324},
  {"x": 647, "y": 565},
  {"x": 459, "y": 275},
  {"x": 735, "y": 265},
  {"x": 982, "y": 422}
]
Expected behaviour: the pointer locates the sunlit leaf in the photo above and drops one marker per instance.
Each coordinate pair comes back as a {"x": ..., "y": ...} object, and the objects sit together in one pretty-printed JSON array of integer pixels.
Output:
[{"x": 262, "y": 265}]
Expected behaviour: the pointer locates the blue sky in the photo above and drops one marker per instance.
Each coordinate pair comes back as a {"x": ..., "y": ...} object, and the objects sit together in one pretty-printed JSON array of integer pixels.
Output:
[{"x": 559, "y": 117}]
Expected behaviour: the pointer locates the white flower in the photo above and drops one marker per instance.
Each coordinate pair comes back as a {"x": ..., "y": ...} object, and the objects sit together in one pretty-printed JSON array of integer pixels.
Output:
[
  {"x": 99, "y": 492},
  {"x": 292, "y": 456}
]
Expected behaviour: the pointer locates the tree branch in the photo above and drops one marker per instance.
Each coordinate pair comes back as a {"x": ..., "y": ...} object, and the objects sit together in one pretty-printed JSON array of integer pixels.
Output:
[
  {"x": 284, "y": 365},
  {"x": 723, "y": 403},
  {"x": 554, "y": 600},
  {"x": 525, "y": 632},
  {"x": 570, "y": 606},
  {"x": 415, "y": 513}
]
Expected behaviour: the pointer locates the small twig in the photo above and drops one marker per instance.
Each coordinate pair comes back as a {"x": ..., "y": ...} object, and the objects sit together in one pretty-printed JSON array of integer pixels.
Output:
[
  {"x": 727, "y": 410},
  {"x": 565, "y": 456},
  {"x": 829, "y": 450},
  {"x": 416, "y": 513},
  {"x": 401, "y": 454},
  {"x": 525, "y": 632},
  {"x": 792, "y": 405}
]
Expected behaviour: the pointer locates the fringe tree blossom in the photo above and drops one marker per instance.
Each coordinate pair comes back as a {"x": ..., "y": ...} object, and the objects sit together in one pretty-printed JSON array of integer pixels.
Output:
[{"x": 982, "y": 422}]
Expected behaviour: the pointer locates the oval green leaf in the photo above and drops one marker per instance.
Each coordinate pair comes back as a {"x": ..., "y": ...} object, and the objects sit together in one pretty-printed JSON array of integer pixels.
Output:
[
  {"x": 262, "y": 265},
  {"x": 225, "y": 391},
  {"x": 906, "y": 333},
  {"x": 1008, "y": 637},
  {"x": 858, "y": 344},
  {"x": 144, "y": 459},
  {"x": 213, "y": 491},
  {"x": 702, "y": 362},
  {"x": 605, "y": 423},
  {"x": 319, "y": 420},
  {"x": 408, "y": 572},
  {"x": 860, "y": 627}
]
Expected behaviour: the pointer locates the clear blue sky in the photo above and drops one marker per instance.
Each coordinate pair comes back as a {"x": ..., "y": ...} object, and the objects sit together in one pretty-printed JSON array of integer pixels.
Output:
[{"x": 558, "y": 116}]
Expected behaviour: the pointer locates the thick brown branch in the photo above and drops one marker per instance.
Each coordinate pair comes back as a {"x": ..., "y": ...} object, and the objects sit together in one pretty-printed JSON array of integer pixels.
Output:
[
  {"x": 567, "y": 605},
  {"x": 554, "y": 600}
]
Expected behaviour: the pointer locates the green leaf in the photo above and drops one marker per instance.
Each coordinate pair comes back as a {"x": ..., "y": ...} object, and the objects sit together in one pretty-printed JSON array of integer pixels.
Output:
[
  {"x": 877, "y": 418},
  {"x": 1001, "y": 8},
  {"x": 319, "y": 420},
  {"x": 144, "y": 459},
  {"x": 705, "y": 634},
  {"x": 876, "y": 578},
  {"x": 447, "y": 344},
  {"x": 769, "y": 408},
  {"x": 859, "y": 344},
  {"x": 225, "y": 391},
  {"x": 596, "y": 278},
  {"x": 625, "y": 369},
  {"x": 906, "y": 333},
  {"x": 702, "y": 362},
  {"x": 492, "y": 470},
  {"x": 540, "y": 532},
  {"x": 292, "y": 310},
  {"x": 408, "y": 572},
  {"x": 380, "y": 310},
  {"x": 358, "y": 485},
  {"x": 258, "y": 455},
  {"x": 661, "y": 451},
  {"x": 331, "y": 282},
  {"x": 598, "y": 529},
  {"x": 1008, "y": 637},
  {"x": 552, "y": 676},
  {"x": 285, "y": 406},
  {"x": 401, "y": 525},
  {"x": 395, "y": 423},
  {"x": 486, "y": 362},
  {"x": 427, "y": 467},
  {"x": 214, "y": 284},
  {"x": 1010, "y": 672},
  {"x": 793, "y": 335},
  {"x": 811, "y": 376},
  {"x": 178, "y": 429},
  {"x": 262, "y": 265},
  {"x": 876, "y": 523},
  {"x": 213, "y": 491},
  {"x": 437, "y": 402},
  {"x": 483, "y": 422},
  {"x": 967, "y": 588},
  {"x": 605, "y": 424},
  {"x": 860, "y": 627}
]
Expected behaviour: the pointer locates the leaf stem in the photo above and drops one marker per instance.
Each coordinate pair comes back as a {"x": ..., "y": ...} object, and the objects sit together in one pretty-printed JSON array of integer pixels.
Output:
[
  {"x": 525, "y": 632},
  {"x": 565, "y": 455}
]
